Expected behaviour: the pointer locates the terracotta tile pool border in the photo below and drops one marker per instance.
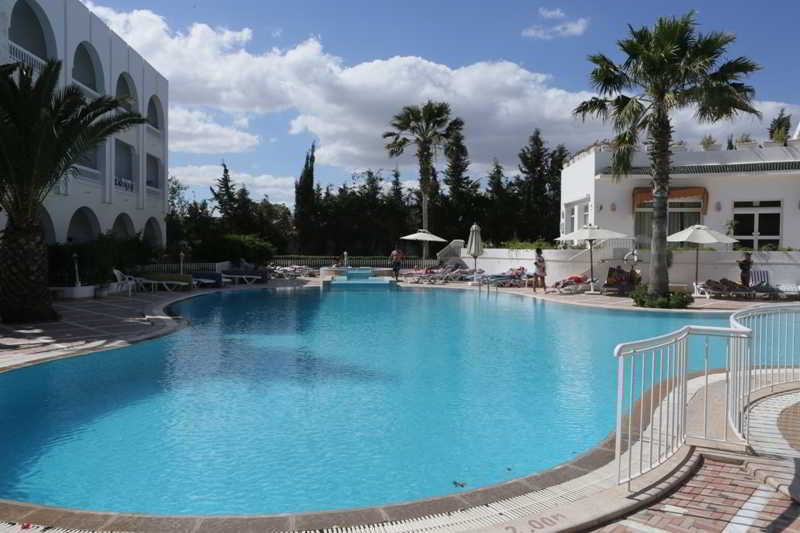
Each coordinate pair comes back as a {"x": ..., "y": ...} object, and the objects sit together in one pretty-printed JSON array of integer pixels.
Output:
[{"x": 596, "y": 457}]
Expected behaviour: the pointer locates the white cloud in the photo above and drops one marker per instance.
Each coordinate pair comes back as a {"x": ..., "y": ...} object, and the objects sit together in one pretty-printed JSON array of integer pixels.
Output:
[
  {"x": 348, "y": 107},
  {"x": 196, "y": 132},
  {"x": 279, "y": 189},
  {"x": 276, "y": 33},
  {"x": 556, "y": 13},
  {"x": 570, "y": 28}
]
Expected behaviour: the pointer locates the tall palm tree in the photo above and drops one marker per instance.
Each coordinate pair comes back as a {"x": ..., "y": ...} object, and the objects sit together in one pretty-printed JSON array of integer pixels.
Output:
[
  {"x": 44, "y": 132},
  {"x": 429, "y": 127},
  {"x": 667, "y": 67}
]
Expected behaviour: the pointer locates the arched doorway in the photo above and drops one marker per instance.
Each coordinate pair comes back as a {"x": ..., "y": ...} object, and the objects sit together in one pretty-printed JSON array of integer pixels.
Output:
[
  {"x": 83, "y": 226},
  {"x": 123, "y": 227},
  {"x": 126, "y": 92},
  {"x": 155, "y": 113},
  {"x": 30, "y": 31},
  {"x": 87, "y": 69},
  {"x": 46, "y": 223},
  {"x": 152, "y": 233}
]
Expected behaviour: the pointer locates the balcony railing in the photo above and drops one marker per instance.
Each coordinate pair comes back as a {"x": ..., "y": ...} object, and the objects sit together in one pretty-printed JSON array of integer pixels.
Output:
[
  {"x": 20, "y": 55},
  {"x": 125, "y": 184}
]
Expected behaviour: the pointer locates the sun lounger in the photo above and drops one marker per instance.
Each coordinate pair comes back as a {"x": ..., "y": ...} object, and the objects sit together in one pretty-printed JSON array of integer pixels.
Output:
[
  {"x": 125, "y": 280},
  {"x": 245, "y": 278},
  {"x": 789, "y": 290}
]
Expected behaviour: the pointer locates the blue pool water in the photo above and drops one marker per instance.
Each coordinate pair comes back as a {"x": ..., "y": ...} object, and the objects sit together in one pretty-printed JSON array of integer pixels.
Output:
[{"x": 298, "y": 400}]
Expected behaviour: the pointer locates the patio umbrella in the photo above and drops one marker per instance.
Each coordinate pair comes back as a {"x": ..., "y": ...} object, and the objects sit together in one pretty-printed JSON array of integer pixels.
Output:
[
  {"x": 475, "y": 247},
  {"x": 424, "y": 236},
  {"x": 591, "y": 233},
  {"x": 700, "y": 235}
]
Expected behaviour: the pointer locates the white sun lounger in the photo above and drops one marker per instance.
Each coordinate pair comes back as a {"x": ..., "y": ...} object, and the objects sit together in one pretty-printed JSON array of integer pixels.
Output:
[
  {"x": 245, "y": 278},
  {"x": 167, "y": 285}
]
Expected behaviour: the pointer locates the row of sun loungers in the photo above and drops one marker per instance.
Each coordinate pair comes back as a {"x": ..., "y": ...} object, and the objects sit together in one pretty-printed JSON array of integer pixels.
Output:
[{"x": 759, "y": 287}]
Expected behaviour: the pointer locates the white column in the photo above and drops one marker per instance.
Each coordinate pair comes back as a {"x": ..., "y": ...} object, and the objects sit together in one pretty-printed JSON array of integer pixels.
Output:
[
  {"x": 110, "y": 171},
  {"x": 5, "y": 23}
]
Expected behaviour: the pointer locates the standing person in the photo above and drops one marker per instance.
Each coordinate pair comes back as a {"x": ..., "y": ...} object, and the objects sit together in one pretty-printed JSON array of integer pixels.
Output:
[
  {"x": 541, "y": 271},
  {"x": 396, "y": 257},
  {"x": 745, "y": 265}
]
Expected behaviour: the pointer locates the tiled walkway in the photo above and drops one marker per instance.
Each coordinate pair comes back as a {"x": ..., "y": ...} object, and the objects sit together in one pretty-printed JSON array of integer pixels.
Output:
[
  {"x": 719, "y": 497},
  {"x": 85, "y": 325}
]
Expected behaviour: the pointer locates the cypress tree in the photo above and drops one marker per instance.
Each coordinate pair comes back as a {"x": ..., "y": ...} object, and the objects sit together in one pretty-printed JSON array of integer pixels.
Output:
[{"x": 304, "y": 205}]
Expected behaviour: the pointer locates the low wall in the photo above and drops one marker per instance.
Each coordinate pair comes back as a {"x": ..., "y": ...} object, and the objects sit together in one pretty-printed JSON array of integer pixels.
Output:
[
  {"x": 560, "y": 263},
  {"x": 783, "y": 267}
]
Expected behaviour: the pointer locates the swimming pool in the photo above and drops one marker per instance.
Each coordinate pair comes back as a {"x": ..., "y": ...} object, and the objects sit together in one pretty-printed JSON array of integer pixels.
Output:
[{"x": 279, "y": 401}]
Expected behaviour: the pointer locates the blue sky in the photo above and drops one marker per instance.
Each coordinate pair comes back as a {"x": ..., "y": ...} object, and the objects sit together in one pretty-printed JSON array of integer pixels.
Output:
[{"x": 255, "y": 82}]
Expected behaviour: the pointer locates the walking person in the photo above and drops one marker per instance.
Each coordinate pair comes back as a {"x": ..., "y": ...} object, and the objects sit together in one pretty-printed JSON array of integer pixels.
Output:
[
  {"x": 396, "y": 258},
  {"x": 540, "y": 271},
  {"x": 745, "y": 265}
]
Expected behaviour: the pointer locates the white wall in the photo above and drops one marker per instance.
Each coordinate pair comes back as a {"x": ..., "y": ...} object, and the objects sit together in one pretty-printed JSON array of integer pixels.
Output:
[
  {"x": 612, "y": 205},
  {"x": 783, "y": 267},
  {"x": 560, "y": 263},
  {"x": 71, "y": 24}
]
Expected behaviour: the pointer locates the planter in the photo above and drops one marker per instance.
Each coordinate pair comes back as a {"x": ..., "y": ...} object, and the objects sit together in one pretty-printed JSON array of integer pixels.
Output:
[
  {"x": 749, "y": 145},
  {"x": 77, "y": 293}
]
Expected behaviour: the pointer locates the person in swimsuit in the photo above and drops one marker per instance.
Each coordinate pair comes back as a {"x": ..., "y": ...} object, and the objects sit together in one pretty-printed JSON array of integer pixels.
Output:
[
  {"x": 745, "y": 265},
  {"x": 540, "y": 272},
  {"x": 396, "y": 257}
]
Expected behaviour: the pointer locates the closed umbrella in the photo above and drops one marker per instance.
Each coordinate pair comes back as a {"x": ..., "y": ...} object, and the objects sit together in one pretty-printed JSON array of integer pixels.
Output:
[
  {"x": 700, "y": 235},
  {"x": 475, "y": 247},
  {"x": 423, "y": 235},
  {"x": 591, "y": 233}
]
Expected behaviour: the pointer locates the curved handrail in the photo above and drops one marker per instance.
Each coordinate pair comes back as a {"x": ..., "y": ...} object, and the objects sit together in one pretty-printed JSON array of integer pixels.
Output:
[{"x": 627, "y": 348}]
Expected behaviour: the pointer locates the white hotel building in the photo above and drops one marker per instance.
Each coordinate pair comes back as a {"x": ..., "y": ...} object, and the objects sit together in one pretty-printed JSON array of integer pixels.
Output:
[
  {"x": 122, "y": 188},
  {"x": 753, "y": 192}
]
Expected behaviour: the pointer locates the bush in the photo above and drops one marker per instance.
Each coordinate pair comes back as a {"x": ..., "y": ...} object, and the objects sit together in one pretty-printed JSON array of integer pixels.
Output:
[
  {"x": 675, "y": 300},
  {"x": 96, "y": 259},
  {"x": 526, "y": 245},
  {"x": 248, "y": 247}
]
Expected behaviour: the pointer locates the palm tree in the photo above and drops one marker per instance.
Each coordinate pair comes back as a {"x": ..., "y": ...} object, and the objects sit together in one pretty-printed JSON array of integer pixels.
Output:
[
  {"x": 429, "y": 128},
  {"x": 44, "y": 132},
  {"x": 667, "y": 67}
]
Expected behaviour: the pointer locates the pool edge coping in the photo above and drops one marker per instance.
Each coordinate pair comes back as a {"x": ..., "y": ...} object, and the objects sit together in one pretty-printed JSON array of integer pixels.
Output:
[{"x": 582, "y": 465}]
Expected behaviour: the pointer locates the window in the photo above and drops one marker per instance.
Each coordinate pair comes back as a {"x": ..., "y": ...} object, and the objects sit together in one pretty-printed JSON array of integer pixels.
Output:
[
  {"x": 680, "y": 215},
  {"x": 585, "y": 214},
  {"x": 153, "y": 171},
  {"x": 123, "y": 168},
  {"x": 757, "y": 224}
]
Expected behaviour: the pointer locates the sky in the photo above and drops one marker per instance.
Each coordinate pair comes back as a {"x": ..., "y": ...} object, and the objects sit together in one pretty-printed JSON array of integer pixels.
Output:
[{"x": 255, "y": 82}]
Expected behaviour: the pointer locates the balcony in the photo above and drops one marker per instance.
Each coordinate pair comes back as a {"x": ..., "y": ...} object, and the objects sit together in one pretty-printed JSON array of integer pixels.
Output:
[
  {"x": 124, "y": 184},
  {"x": 20, "y": 55}
]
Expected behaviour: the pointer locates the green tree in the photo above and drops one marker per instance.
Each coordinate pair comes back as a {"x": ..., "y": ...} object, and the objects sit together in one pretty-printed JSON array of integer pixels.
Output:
[
  {"x": 225, "y": 196},
  {"x": 667, "y": 67},
  {"x": 304, "y": 205},
  {"x": 44, "y": 132},
  {"x": 177, "y": 209},
  {"x": 780, "y": 127},
  {"x": 530, "y": 187},
  {"x": 499, "y": 210},
  {"x": 461, "y": 202},
  {"x": 428, "y": 128}
]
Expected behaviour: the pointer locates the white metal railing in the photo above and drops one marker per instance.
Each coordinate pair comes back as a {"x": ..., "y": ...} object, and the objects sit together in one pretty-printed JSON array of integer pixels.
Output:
[
  {"x": 657, "y": 378},
  {"x": 654, "y": 389},
  {"x": 19, "y": 55},
  {"x": 124, "y": 184},
  {"x": 175, "y": 268},
  {"x": 774, "y": 357},
  {"x": 354, "y": 261}
]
